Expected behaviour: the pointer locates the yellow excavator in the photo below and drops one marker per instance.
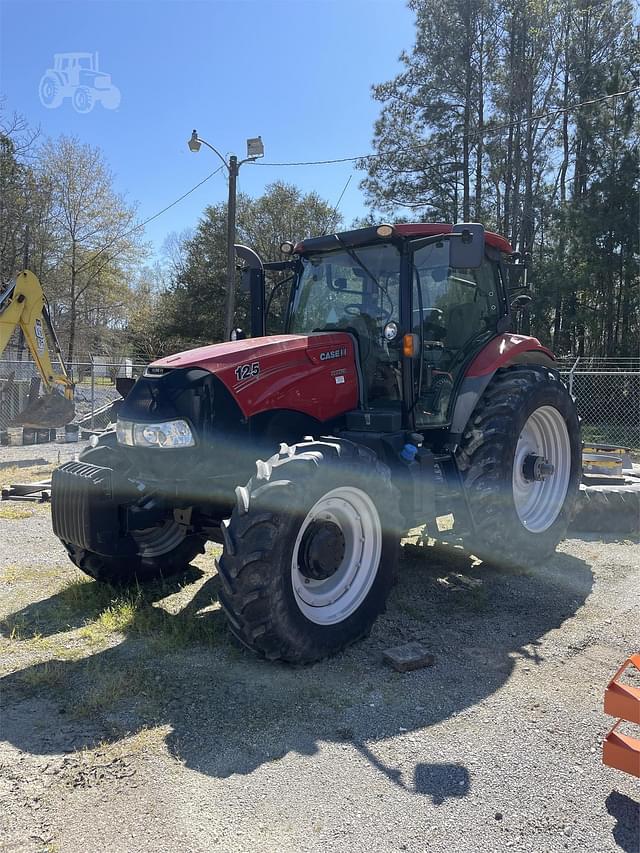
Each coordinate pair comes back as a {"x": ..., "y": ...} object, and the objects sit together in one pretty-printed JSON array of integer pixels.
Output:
[{"x": 23, "y": 305}]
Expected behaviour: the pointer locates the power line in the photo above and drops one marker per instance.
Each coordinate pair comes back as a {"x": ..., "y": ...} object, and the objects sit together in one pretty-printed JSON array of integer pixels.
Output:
[
  {"x": 173, "y": 203},
  {"x": 146, "y": 221},
  {"x": 476, "y": 133}
]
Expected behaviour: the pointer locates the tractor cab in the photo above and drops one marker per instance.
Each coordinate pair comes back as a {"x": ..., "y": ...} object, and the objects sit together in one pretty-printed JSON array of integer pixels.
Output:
[
  {"x": 420, "y": 300},
  {"x": 356, "y": 291}
]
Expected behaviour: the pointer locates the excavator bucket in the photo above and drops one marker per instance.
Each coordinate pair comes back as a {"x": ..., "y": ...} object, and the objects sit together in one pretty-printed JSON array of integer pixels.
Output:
[
  {"x": 622, "y": 701},
  {"x": 49, "y": 410}
]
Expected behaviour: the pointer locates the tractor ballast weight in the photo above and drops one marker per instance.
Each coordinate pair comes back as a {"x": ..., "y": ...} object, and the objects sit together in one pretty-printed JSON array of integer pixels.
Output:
[{"x": 396, "y": 394}]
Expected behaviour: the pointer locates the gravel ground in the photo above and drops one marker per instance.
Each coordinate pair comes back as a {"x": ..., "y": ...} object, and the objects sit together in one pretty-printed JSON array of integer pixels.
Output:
[
  {"x": 13, "y": 459},
  {"x": 135, "y": 725}
]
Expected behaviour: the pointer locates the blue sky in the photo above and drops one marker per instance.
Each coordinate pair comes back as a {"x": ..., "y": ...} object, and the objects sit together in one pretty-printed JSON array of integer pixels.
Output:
[{"x": 297, "y": 73}]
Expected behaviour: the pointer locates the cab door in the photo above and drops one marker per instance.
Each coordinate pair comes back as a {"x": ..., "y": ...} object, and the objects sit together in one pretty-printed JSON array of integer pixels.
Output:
[{"x": 455, "y": 311}]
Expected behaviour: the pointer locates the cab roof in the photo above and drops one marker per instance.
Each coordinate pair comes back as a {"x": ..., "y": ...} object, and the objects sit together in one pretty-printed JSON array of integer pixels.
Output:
[
  {"x": 408, "y": 230},
  {"x": 430, "y": 229}
]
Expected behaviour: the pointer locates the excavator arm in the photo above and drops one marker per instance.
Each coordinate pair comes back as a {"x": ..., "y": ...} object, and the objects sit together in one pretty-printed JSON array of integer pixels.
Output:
[{"x": 23, "y": 305}]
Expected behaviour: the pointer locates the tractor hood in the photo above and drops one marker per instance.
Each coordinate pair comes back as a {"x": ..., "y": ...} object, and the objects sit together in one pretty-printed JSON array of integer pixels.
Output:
[{"x": 313, "y": 374}]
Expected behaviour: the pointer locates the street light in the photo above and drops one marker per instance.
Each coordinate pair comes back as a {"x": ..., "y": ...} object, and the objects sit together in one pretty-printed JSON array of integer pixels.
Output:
[{"x": 255, "y": 149}]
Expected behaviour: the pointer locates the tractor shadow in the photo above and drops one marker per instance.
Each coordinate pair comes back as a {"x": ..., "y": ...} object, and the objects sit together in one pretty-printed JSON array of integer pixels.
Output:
[
  {"x": 80, "y": 603},
  {"x": 229, "y": 713}
]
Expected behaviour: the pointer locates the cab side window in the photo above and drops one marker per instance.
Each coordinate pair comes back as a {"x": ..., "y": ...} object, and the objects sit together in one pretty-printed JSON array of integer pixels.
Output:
[{"x": 454, "y": 310}]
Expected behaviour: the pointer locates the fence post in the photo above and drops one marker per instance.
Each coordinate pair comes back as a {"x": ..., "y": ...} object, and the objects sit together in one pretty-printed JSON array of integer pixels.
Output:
[
  {"x": 571, "y": 372},
  {"x": 93, "y": 391}
]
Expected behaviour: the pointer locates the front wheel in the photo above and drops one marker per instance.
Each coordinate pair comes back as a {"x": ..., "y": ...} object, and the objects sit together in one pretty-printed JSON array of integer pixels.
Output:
[
  {"x": 83, "y": 99},
  {"x": 310, "y": 551},
  {"x": 163, "y": 551},
  {"x": 520, "y": 459}
]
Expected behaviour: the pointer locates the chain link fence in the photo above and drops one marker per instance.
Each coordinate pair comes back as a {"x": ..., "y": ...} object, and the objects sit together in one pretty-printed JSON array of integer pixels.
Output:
[
  {"x": 96, "y": 380},
  {"x": 607, "y": 393}
]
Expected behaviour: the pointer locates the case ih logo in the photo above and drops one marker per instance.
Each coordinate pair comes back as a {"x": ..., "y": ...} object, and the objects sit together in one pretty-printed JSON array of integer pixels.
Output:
[{"x": 334, "y": 353}]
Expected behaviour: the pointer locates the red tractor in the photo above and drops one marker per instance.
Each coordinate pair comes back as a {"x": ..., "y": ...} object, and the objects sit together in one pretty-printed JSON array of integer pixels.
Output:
[{"x": 397, "y": 395}]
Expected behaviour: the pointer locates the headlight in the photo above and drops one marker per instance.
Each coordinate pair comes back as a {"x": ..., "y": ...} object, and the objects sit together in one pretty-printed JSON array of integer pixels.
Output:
[{"x": 166, "y": 434}]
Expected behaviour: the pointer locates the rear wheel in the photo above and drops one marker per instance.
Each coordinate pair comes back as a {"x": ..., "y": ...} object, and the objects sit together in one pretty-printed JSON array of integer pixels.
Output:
[
  {"x": 310, "y": 551},
  {"x": 50, "y": 92},
  {"x": 520, "y": 459}
]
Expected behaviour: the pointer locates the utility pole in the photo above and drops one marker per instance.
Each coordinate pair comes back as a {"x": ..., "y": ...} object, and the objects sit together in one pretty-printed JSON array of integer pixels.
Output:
[
  {"x": 255, "y": 150},
  {"x": 231, "y": 253}
]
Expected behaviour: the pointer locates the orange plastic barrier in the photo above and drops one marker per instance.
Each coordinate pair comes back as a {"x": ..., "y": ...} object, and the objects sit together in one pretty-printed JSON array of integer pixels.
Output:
[{"x": 623, "y": 702}]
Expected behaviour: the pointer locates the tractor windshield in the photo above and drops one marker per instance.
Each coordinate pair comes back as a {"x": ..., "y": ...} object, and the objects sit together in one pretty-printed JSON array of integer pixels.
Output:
[{"x": 359, "y": 291}]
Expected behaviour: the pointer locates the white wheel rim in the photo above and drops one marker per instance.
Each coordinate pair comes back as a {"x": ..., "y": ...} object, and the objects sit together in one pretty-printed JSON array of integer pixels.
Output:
[
  {"x": 539, "y": 502},
  {"x": 329, "y": 601}
]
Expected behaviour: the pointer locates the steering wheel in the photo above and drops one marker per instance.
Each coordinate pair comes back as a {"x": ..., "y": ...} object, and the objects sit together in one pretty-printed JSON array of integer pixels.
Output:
[{"x": 355, "y": 310}]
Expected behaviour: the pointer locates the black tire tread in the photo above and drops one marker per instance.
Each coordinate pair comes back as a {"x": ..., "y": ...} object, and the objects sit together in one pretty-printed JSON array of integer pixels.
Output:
[
  {"x": 250, "y": 596},
  {"x": 485, "y": 457},
  {"x": 119, "y": 571}
]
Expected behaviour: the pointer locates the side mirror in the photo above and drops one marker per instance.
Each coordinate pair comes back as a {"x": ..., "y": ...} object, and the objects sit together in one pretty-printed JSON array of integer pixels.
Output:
[
  {"x": 467, "y": 250},
  {"x": 237, "y": 335}
]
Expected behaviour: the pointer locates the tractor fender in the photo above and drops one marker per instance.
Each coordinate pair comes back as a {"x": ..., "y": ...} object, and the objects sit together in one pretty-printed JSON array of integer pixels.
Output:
[
  {"x": 502, "y": 351},
  {"x": 284, "y": 425}
]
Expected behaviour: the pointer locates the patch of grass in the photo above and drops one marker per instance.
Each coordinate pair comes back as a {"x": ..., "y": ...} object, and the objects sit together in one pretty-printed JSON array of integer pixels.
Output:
[
  {"x": 130, "y": 612},
  {"x": 118, "y": 616},
  {"x": 81, "y": 593},
  {"x": 49, "y": 674},
  {"x": 15, "y": 573},
  {"x": 146, "y": 739},
  {"x": 82, "y": 596},
  {"x": 167, "y": 631},
  {"x": 14, "y": 513},
  {"x": 26, "y": 474}
]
